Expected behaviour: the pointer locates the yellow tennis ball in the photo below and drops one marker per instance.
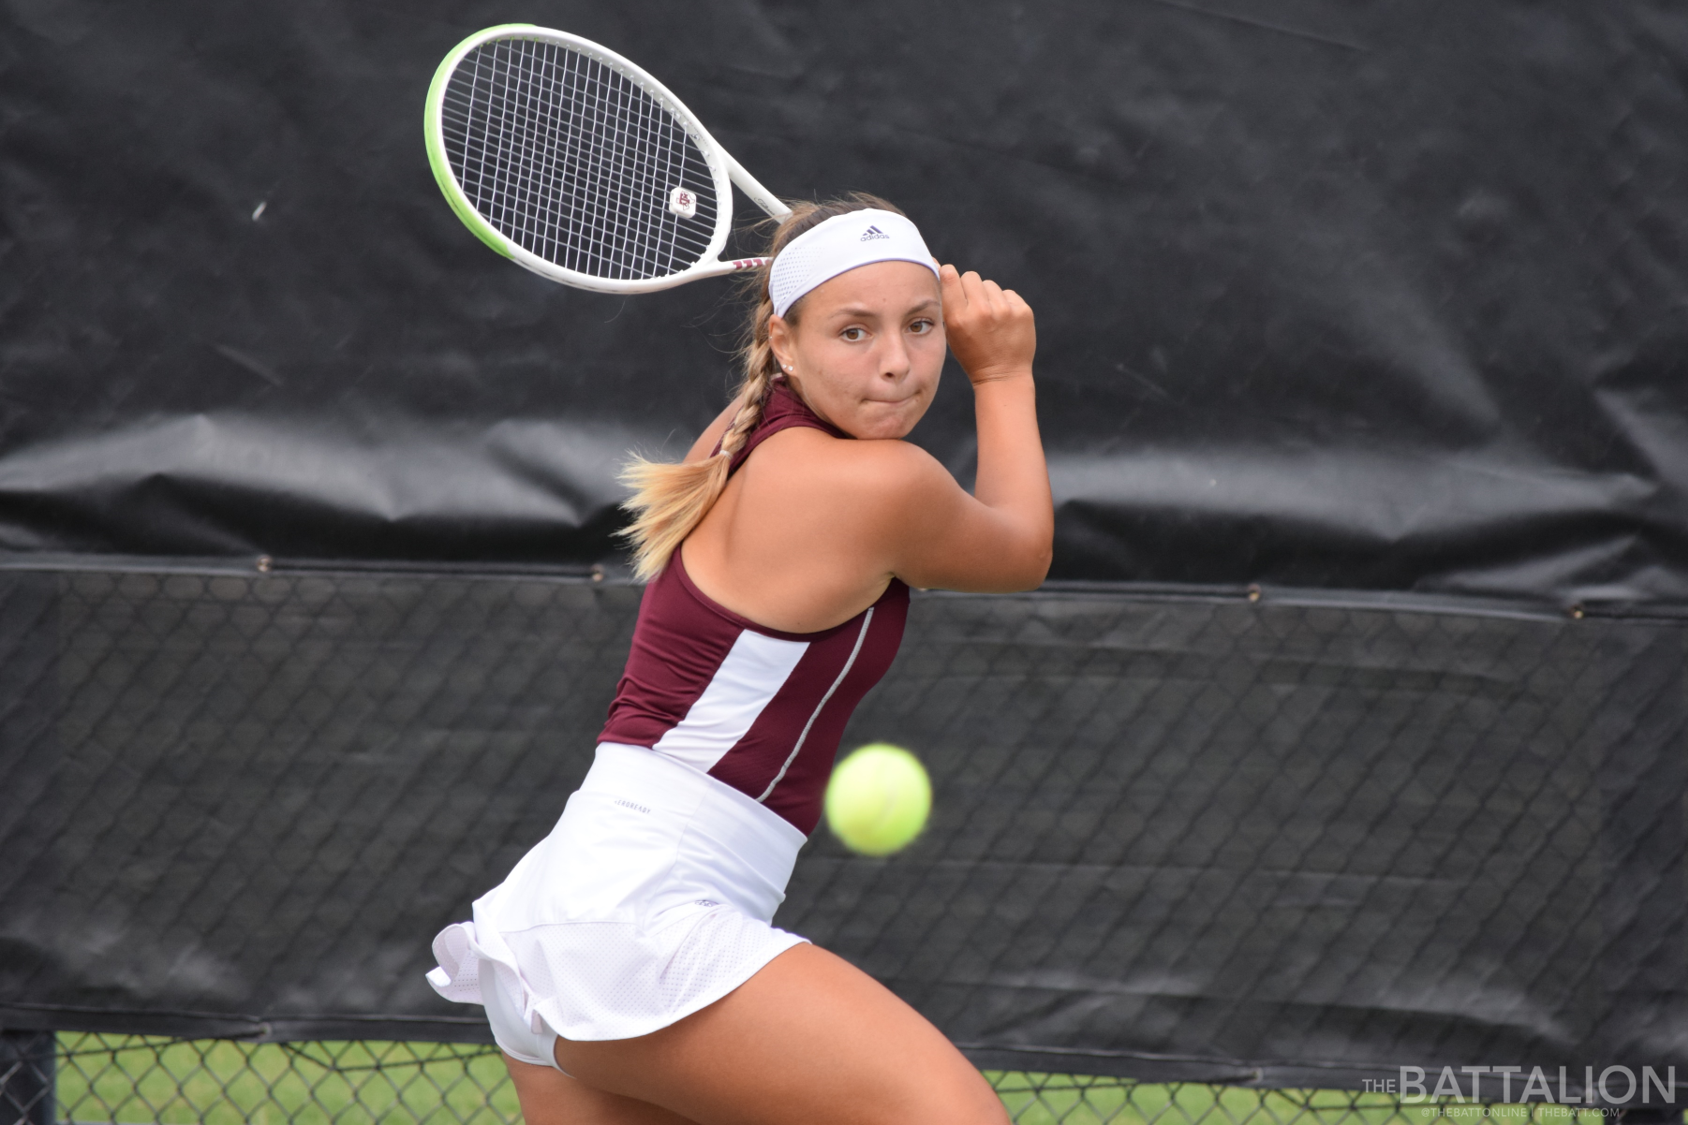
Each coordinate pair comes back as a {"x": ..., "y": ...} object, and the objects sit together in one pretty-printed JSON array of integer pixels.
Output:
[{"x": 878, "y": 799}]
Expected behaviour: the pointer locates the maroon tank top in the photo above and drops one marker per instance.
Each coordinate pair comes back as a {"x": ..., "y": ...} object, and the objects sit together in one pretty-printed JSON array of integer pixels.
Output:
[{"x": 759, "y": 709}]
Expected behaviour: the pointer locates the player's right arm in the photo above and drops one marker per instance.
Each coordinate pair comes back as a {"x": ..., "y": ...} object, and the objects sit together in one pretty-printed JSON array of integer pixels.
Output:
[{"x": 1000, "y": 539}]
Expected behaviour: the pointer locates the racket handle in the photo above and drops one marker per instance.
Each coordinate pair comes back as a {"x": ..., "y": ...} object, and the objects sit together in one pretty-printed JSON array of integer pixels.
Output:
[{"x": 737, "y": 265}]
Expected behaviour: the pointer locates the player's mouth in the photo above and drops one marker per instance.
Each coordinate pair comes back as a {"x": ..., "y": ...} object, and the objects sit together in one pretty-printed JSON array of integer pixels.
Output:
[{"x": 893, "y": 401}]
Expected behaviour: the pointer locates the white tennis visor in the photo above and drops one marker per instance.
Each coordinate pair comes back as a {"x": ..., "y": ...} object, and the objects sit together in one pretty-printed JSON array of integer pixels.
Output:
[{"x": 841, "y": 243}]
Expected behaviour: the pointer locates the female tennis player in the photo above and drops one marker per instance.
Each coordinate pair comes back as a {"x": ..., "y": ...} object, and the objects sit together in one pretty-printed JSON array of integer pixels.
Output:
[{"x": 628, "y": 965}]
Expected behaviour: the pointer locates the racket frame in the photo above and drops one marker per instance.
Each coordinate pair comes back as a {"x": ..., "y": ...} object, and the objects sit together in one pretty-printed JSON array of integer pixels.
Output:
[{"x": 724, "y": 170}]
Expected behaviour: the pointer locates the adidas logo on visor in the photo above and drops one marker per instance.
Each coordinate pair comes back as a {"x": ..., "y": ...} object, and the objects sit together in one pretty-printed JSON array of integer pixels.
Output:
[{"x": 872, "y": 233}]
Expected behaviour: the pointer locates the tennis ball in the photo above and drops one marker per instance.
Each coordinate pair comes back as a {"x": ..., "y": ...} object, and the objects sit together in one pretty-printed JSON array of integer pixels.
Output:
[{"x": 878, "y": 799}]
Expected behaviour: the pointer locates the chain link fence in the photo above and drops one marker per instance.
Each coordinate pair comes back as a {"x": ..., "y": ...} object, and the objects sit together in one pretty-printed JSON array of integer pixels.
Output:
[
  {"x": 1287, "y": 845},
  {"x": 155, "y": 1080}
]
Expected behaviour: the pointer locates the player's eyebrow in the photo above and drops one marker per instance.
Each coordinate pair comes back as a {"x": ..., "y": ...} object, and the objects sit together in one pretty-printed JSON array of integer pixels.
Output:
[{"x": 861, "y": 313}]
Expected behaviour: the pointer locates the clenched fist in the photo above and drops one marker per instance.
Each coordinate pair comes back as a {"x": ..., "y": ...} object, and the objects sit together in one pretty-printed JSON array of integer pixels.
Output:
[{"x": 991, "y": 330}]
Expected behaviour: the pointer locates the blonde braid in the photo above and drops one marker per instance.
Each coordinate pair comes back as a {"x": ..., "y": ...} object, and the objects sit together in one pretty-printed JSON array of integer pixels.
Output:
[
  {"x": 760, "y": 367},
  {"x": 670, "y": 499}
]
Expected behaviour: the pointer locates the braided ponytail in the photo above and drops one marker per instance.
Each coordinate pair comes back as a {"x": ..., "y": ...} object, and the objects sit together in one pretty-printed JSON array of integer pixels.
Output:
[{"x": 671, "y": 498}]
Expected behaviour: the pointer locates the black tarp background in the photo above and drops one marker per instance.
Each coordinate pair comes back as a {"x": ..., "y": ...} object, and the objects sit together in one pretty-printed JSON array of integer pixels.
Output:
[{"x": 1353, "y": 295}]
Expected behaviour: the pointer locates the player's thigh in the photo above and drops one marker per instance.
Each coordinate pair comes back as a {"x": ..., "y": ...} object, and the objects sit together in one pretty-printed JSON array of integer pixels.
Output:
[
  {"x": 550, "y": 1097},
  {"x": 809, "y": 1038}
]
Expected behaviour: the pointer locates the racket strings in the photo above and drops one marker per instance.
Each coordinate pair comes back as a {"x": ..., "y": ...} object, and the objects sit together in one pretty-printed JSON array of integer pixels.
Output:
[
  {"x": 574, "y": 161},
  {"x": 555, "y": 120}
]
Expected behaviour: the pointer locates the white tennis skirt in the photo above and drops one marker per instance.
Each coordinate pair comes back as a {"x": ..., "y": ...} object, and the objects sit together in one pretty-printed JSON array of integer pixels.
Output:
[{"x": 651, "y": 898}]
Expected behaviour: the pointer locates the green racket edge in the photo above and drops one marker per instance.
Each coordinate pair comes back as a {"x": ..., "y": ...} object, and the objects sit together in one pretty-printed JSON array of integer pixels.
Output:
[{"x": 434, "y": 135}]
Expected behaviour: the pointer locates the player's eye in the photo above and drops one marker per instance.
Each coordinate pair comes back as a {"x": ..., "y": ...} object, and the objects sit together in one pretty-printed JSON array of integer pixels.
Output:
[
  {"x": 921, "y": 327},
  {"x": 854, "y": 334}
]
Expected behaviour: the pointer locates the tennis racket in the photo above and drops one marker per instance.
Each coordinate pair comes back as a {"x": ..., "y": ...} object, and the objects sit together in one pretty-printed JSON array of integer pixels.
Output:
[{"x": 565, "y": 157}]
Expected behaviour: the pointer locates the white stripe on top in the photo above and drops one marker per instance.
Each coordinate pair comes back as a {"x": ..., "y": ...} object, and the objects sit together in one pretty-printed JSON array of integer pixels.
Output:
[
  {"x": 746, "y": 682},
  {"x": 845, "y": 671}
]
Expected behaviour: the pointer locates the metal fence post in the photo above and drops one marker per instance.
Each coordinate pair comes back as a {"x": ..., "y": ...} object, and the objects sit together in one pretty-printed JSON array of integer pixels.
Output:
[{"x": 26, "y": 1078}]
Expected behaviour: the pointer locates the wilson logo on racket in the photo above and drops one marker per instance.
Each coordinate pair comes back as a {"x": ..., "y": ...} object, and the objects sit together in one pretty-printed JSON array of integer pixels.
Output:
[{"x": 872, "y": 233}]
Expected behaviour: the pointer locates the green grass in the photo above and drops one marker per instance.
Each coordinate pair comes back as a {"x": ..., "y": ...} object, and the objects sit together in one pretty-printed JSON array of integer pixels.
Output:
[
  {"x": 144, "y": 1080},
  {"x": 223, "y": 1082}
]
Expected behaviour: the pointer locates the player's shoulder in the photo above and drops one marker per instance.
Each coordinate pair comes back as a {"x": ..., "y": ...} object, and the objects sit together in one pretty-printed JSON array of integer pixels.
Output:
[
  {"x": 886, "y": 473},
  {"x": 869, "y": 468}
]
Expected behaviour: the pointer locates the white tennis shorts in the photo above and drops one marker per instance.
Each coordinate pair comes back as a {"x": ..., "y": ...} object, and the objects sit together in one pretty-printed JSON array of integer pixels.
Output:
[{"x": 651, "y": 898}]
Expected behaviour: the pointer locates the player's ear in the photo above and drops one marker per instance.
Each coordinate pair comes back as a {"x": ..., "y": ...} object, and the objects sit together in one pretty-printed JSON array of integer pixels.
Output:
[{"x": 779, "y": 339}]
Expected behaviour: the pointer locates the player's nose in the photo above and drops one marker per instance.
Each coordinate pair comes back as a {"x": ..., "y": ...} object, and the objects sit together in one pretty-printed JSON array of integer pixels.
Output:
[{"x": 894, "y": 360}]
